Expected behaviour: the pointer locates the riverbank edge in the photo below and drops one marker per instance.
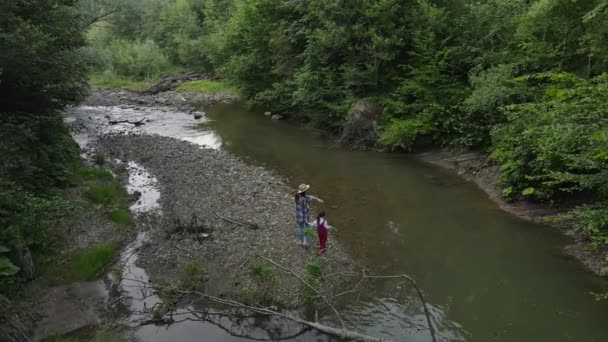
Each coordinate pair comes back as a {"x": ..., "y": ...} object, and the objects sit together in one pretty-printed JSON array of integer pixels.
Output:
[{"x": 482, "y": 170}]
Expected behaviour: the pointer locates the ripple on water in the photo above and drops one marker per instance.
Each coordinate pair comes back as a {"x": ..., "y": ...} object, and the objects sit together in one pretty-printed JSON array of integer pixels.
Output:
[{"x": 402, "y": 318}]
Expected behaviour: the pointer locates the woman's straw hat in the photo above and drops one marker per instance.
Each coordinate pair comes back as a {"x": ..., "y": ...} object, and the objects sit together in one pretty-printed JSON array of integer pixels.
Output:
[{"x": 302, "y": 188}]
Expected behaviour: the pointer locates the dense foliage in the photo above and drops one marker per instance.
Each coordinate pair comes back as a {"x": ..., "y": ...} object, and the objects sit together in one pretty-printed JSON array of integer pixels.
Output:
[
  {"x": 524, "y": 80},
  {"x": 521, "y": 79},
  {"x": 41, "y": 71}
]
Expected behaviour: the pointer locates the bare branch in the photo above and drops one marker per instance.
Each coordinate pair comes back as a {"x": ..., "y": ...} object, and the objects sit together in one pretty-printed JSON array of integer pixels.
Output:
[
  {"x": 309, "y": 286},
  {"x": 340, "y": 333},
  {"x": 103, "y": 16},
  {"x": 427, "y": 313}
]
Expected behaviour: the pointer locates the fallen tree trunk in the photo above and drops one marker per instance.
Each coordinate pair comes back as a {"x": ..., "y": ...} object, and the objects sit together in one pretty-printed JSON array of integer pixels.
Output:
[{"x": 343, "y": 333}]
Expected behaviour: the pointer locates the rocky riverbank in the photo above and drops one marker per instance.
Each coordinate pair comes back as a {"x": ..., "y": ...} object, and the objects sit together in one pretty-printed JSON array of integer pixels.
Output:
[
  {"x": 215, "y": 207},
  {"x": 216, "y": 214},
  {"x": 221, "y": 211}
]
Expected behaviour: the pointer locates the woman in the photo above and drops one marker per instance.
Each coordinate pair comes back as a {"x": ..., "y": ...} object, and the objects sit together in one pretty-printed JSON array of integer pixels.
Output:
[{"x": 303, "y": 211}]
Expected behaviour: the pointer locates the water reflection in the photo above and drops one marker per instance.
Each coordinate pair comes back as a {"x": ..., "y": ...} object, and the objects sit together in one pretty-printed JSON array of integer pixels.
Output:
[
  {"x": 140, "y": 180},
  {"x": 91, "y": 121}
]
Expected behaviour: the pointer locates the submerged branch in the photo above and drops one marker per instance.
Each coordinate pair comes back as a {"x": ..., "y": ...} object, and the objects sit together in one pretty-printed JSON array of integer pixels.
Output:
[{"x": 427, "y": 313}]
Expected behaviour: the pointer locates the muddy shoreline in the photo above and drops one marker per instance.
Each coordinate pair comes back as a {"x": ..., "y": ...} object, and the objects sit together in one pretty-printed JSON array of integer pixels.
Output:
[{"x": 480, "y": 169}]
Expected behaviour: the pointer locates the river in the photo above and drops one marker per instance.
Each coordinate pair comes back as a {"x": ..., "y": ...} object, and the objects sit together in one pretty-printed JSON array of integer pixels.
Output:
[{"x": 487, "y": 275}]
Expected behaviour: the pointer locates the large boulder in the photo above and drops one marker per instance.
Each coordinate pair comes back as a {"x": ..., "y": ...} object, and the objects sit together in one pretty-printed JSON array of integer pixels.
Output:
[{"x": 361, "y": 129}]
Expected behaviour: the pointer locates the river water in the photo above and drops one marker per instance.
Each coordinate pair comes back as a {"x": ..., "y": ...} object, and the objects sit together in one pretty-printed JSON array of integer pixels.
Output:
[{"x": 487, "y": 275}]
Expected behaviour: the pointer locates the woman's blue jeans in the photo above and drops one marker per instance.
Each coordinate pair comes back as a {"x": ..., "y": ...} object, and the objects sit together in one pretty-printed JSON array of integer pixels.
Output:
[{"x": 301, "y": 227}]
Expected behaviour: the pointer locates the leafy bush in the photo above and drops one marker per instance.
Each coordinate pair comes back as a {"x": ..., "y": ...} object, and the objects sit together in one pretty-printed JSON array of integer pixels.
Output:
[
  {"x": 7, "y": 268},
  {"x": 556, "y": 147},
  {"x": 140, "y": 60},
  {"x": 37, "y": 151},
  {"x": 313, "y": 275},
  {"x": 404, "y": 132},
  {"x": 593, "y": 219},
  {"x": 483, "y": 108},
  {"x": 557, "y": 144},
  {"x": 29, "y": 221}
]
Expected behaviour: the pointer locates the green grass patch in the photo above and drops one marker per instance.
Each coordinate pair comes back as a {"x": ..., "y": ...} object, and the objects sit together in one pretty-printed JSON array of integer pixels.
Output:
[
  {"x": 121, "y": 216},
  {"x": 91, "y": 174},
  {"x": 117, "y": 82},
  {"x": 106, "y": 194},
  {"x": 84, "y": 264},
  {"x": 87, "y": 263},
  {"x": 263, "y": 271},
  {"x": 194, "y": 274},
  {"x": 207, "y": 86}
]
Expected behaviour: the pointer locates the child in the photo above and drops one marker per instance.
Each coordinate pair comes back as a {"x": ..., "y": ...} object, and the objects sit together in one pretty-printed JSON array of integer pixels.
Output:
[{"x": 322, "y": 228}]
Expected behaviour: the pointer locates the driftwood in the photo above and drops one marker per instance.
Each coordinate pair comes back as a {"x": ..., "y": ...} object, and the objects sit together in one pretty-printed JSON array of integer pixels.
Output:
[
  {"x": 134, "y": 123},
  {"x": 340, "y": 333}
]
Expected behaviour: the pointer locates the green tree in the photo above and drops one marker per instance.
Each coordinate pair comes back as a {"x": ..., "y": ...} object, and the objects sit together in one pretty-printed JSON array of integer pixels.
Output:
[{"x": 41, "y": 72}]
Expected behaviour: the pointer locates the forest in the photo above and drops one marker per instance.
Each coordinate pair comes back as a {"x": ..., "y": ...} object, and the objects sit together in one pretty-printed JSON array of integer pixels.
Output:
[{"x": 523, "y": 80}]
